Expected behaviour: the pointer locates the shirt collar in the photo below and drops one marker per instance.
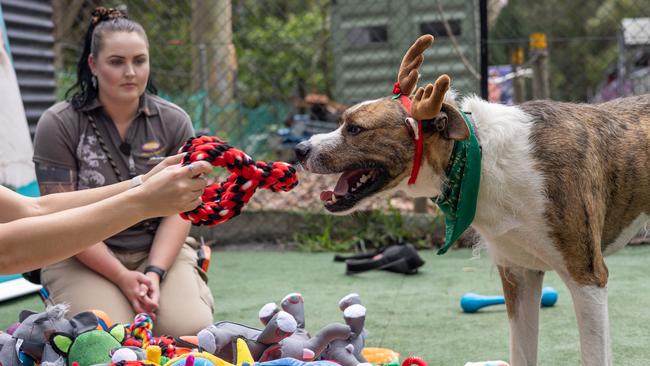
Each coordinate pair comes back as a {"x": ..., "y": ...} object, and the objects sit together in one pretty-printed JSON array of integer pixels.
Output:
[{"x": 146, "y": 105}]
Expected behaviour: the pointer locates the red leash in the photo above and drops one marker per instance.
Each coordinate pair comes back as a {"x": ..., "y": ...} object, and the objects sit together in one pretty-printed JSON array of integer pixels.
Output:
[{"x": 225, "y": 200}]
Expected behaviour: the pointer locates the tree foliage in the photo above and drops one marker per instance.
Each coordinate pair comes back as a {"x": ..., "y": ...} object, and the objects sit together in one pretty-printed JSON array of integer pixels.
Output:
[{"x": 281, "y": 48}]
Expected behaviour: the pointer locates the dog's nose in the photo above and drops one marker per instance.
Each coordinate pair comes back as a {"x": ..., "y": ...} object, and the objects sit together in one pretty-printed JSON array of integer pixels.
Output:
[{"x": 302, "y": 150}]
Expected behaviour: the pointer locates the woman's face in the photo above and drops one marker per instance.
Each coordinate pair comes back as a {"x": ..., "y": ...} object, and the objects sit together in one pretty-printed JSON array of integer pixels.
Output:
[{"x": 121, "y": 66}]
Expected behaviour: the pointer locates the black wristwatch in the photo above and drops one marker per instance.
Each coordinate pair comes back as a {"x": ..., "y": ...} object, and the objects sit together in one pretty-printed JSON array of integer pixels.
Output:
[{"x": 157, "y": 270}]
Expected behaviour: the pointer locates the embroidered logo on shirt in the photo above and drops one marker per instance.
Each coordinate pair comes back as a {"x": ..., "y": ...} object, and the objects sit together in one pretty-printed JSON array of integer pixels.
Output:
[{"x": 150, "y": 146}]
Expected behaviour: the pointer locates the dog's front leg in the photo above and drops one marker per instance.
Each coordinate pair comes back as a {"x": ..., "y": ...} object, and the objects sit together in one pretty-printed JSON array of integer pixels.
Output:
[
  {"x": 522, "y": 289},
  {"x": 590, "y": 304}
]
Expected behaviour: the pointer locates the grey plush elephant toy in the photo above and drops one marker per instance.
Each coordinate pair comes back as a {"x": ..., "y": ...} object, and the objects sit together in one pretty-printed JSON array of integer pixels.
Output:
[
  {"x": 29, "y": 341},
  {"x": 284, "y": 335}
]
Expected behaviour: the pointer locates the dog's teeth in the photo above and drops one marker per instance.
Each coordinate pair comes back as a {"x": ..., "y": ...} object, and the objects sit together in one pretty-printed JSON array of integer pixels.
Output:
[
  {"x": 358, "y": 185},
  {"x": 333, "y": 198},
  {"x": 364, "y": 178}
]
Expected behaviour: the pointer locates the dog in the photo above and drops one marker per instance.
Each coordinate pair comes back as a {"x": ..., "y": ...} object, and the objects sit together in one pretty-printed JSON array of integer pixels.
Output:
[{"x": 560, "y": 185}]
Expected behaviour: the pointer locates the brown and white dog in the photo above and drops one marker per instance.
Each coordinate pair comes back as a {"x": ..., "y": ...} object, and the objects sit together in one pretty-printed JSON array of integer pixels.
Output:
[{"x": 561, "y": 186}]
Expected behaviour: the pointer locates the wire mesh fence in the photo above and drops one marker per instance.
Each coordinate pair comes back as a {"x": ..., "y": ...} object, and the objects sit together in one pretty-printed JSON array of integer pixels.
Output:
[{"x": 265, "y": 74}]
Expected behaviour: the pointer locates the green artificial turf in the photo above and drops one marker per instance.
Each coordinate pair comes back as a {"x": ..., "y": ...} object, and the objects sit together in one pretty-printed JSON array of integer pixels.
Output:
[{"x": 420, "y": 315}]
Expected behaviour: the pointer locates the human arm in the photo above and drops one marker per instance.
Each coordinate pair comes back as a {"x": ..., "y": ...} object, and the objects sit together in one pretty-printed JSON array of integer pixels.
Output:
[
  {"x": 168, "y": 241},
  {"x": 33, "y": 242},
  {"x": 64, "y": 200},
  {"x": 133, "y": 284}
]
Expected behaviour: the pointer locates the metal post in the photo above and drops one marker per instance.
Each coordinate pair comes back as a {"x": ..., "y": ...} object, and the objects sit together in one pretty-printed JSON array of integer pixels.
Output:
[
  {"x": 483, "y": 14},
  {"x": 203, "y": 77},
  {"x": 620, "y": 65},
  {"x": 420, "y": 205},
  {"x": 539, "y": 56},
  {"x": 518, "y": 81}
]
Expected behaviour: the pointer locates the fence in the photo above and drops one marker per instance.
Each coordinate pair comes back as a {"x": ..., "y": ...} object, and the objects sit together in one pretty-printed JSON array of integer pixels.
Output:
[{"x": 243, "y": 68}]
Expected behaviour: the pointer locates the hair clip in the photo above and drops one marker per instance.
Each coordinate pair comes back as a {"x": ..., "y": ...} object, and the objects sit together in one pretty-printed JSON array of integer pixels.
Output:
[{"x": 101, "y": 14}]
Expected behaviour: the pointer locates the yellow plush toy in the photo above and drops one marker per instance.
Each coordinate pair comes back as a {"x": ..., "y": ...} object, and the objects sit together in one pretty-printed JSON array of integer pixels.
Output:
[{"x": 208, "y": 359}]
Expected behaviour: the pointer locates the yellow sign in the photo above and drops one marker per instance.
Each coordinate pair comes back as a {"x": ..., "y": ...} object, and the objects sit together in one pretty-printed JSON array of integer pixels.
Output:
[
  {"x": 517, "y": 56},
  {"x": 537, "y": 40}
]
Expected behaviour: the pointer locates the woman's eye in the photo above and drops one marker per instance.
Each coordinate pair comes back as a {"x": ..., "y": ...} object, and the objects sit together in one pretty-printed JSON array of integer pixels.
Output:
[
  {"x": 115, "y": 62},
  {"x": 354, "y": 130}
]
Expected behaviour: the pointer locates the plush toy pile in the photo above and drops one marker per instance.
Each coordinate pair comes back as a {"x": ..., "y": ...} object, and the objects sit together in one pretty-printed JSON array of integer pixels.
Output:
[
  {"x": 90, "y": 338},
  {"x": 284, "y": 334}
]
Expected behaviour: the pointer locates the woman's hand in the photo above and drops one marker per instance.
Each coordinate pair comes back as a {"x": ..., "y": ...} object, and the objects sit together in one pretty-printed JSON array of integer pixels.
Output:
[
  {"x": 136, "y": 286},
  {"x": 154, "y": 292},
  {"x": 173, "y": 189},
  {"x": 168, "y": 161}
]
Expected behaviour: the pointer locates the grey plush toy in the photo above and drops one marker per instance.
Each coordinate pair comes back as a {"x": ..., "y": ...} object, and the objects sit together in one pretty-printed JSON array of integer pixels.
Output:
[
  {"x": 284, "y": 335},
  {"x": 347, "y": 352},
  {"x": 29, "y": 342}
]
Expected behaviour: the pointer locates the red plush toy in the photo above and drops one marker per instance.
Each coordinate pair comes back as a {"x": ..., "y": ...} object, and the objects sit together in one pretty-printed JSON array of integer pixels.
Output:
[{"x": 225, "y": 200}]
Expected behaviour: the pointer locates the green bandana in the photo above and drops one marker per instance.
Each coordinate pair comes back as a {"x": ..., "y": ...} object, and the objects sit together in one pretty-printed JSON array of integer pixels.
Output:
[{"x": 458, "y": 199}]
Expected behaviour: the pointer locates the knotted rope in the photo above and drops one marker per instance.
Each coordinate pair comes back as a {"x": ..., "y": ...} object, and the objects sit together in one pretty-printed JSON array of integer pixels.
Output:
[
  {"x": 141, "y": 329},
  {"x": 224, "y": 200}
]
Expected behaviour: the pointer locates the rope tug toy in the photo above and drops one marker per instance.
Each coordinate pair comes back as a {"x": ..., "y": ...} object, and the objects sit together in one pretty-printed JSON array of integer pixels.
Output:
[
  {"x": 141, "y": 329},
  {"x": 225, "y": 200}
]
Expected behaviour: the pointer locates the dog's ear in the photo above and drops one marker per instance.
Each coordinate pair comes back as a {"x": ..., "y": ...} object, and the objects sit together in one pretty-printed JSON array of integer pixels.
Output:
[{"x": 449, "y": 123}]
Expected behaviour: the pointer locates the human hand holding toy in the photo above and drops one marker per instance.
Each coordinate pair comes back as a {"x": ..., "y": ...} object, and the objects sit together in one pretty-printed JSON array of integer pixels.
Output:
[{"x": 225, "y": 200}]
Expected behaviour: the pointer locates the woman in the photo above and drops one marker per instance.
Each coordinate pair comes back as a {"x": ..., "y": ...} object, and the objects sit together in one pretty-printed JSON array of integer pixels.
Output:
[{"x": 113, "y": 128}]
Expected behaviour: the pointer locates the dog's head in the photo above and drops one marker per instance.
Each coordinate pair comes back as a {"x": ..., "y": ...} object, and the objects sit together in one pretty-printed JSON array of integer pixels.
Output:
[{"x": 374, "y": 144}]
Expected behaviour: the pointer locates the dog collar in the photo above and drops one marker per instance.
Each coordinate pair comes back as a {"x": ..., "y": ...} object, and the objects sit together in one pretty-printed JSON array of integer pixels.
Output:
[{"x": 416, "y": 132}]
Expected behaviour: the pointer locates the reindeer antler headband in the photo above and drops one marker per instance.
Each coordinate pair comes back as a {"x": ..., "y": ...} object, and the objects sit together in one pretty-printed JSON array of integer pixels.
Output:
[
  {"x": 459, "y": 198},
  {"x": 426, "y": 103}
]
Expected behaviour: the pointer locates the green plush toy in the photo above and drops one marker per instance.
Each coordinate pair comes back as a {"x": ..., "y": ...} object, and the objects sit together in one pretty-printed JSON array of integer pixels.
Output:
[{"x": 89, "y": 348}]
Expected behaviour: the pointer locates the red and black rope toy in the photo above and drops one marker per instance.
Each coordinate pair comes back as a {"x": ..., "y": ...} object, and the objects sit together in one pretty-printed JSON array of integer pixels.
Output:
[{"x": 224, "y": 200}]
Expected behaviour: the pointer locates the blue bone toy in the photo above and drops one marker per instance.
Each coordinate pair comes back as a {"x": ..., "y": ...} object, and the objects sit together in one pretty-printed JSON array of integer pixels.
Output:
[{"x": 471, "y": 302}]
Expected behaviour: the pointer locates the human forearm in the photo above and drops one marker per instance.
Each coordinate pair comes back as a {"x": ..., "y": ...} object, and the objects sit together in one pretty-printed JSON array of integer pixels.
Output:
[
  {"x": 168, "y": 241},
  {"x": 66, "y": 200},
  {"x": 33, "y": 242},
  {"x": 63, "y": 200},
  {"x": 66, "y": 232},
  {"x": 133, "y": 284},
  {"x": 99, "y": 259}
]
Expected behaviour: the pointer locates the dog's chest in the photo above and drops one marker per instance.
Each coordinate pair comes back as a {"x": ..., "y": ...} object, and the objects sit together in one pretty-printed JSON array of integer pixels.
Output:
[
  {"x": 524, "y": 248},
  {"x": 518, "y": 237},
  {"x": 511, "y": 218}
]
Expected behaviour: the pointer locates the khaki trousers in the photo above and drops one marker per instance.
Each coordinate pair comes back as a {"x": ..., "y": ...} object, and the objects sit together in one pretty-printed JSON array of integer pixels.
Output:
[{"x": 186, "y": 304}]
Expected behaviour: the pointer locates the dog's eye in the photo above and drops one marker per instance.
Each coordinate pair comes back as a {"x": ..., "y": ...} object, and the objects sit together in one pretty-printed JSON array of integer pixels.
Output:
[{"x": 354, "y": 130}]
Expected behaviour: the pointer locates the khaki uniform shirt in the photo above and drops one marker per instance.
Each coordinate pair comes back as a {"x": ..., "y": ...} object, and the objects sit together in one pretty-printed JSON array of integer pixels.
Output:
[{"x": 67, "y": 151}]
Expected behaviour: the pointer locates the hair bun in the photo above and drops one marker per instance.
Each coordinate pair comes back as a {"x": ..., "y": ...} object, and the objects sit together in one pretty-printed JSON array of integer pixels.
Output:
[{"x": 101, "y": 14}]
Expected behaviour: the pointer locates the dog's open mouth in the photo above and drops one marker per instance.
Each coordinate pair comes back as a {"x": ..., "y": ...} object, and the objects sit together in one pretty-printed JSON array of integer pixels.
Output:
[{"x": 352, "y": 186}]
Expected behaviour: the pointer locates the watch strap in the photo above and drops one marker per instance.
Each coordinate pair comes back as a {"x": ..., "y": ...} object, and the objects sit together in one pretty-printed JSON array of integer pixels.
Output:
[
  {"x": 136, "y": 181},
  {"x": 157, "y": 270}
]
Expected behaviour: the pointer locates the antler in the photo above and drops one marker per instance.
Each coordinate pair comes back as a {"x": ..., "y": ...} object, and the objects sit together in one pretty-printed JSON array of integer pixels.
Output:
[
  {"x": 428, "y": 101},
  {"x": 408, "y": 70}
]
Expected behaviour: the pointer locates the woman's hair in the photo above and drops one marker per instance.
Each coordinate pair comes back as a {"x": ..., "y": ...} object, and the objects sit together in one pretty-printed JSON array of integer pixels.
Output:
[{"x": 102, "y": 21}]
